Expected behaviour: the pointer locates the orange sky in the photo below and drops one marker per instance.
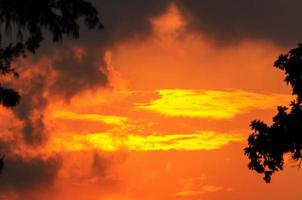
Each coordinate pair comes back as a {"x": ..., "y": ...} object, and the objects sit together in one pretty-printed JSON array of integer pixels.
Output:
[{"x": 171, "y": 125}]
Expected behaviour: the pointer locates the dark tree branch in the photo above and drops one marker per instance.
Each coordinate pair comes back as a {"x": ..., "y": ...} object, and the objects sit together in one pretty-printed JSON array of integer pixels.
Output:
[{"x": 267, "y": 145}]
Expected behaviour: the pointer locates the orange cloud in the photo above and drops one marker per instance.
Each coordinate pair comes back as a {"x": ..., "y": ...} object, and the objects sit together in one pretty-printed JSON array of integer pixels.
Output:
[
  {"x": 200, "y": 191},
  {"x": 211, "y": 103},
  {"x": 68, "y": 115},
  {"x": 170, "y": 24},
  {"x": 107, "y": 142}
]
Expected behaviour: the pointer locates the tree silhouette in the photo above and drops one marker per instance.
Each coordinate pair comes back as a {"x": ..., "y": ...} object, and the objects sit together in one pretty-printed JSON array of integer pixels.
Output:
[
  {"x": 24, "y": 23},
  {"x": 267, "y": 145}
]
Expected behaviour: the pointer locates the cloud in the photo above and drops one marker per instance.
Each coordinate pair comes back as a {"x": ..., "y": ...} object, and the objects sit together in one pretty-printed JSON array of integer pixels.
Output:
[
  {"x": 33, "y": 85},
  {"x": 187, "y": 142},
  {"x": 197, "y": 186},
  {"x": 231, "y": 21},
  {"x": 99, "y": 165},
  {"x": 226, "y": 21},
  {"x": 25, "y": 175},
  {"x": 74, "y": 75},
  {"x": 203, "y": 190},
  {"x": 107, "y": 119},
  {"x": 211, "y": 103},
  {"x": 86, "y": 169},
  {"x": 107, "y": 142},
  {"x": 124, "y": 20}
]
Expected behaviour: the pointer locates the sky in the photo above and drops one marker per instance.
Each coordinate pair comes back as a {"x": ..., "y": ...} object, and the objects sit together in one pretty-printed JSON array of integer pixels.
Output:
[{"x": 156, "y": 106}]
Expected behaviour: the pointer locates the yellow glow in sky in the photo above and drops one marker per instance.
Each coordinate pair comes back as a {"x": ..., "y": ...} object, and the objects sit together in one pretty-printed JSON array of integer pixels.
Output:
[
  {"x": 108, "y": 119},
  {"x": 106, "y": 142},
  {"x": 211, "y": 103}
]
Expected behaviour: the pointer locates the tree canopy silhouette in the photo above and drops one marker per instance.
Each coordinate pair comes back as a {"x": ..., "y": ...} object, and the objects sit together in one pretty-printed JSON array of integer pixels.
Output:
[
  {"x": 23, "y": 24},
  {"x": 267, "y": 145}
]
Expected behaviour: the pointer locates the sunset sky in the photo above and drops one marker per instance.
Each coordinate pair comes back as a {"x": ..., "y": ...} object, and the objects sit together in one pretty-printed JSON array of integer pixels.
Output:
[{"x": 156, "y": 106}]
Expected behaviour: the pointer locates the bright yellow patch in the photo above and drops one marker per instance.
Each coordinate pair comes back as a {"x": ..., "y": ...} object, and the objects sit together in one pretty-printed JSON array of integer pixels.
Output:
[
  {"x": 106, "y": 142},
  {"x": 211, "y": 103},
  {"x": 108, "y": 119}
]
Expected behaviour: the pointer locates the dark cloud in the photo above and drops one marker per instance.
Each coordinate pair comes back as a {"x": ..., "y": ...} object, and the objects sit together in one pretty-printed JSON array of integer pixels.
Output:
[
  {"x": 225, "y": 20},
  {"x": 31, "y": 109},
  {"x": 78, "y": 75},
  {"x": 100, "y": 165},
  {"x": 127, "y": 19},
  {"x": 233, "y": 20},
  {"x": 27, "y": 175},
  {"x": 122, "y": 20},
  {"x": 96, "y": 167}
]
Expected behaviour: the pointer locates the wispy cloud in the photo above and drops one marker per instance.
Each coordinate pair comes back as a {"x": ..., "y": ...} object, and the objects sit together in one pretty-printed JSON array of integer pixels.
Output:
[
  {"x": 198, "y": 186},
  {"x": 211, "y": 103},
  {"x": 107, "y": 142},
  {"x": 108, "y": 119},
  {"x": 202, "y": 190}
]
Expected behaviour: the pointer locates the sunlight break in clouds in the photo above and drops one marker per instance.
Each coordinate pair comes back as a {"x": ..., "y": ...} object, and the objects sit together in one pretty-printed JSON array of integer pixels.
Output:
[
  {"x": 211, "y": 103},
  {"x": 105, "y": 142}
]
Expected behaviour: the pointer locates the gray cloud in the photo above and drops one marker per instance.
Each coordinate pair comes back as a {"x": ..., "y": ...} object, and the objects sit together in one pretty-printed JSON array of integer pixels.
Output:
[
  {"x": 31, "y": 109},
  {"x": 100, "y": 165},
  {"x": 101, "y": 168},
  {"x": 26, "y": 175},
  {"x": 233, "y": 20},
  {"x": 122, "y": 20},
  {"x": 75, "y": 76}
]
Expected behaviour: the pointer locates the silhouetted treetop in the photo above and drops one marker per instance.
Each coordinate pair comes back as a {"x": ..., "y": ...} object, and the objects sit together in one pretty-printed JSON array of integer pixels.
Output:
[
  {"x": 291, "y": 64},
  {"x": 267, "y": 145},
  {"x": 23, "y": 24}
]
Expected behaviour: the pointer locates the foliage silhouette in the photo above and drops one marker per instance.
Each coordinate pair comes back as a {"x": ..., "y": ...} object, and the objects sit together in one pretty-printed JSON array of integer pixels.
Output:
[
  {"x": 23, "y": 24},
  {"x": 267, "y": 145}
]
